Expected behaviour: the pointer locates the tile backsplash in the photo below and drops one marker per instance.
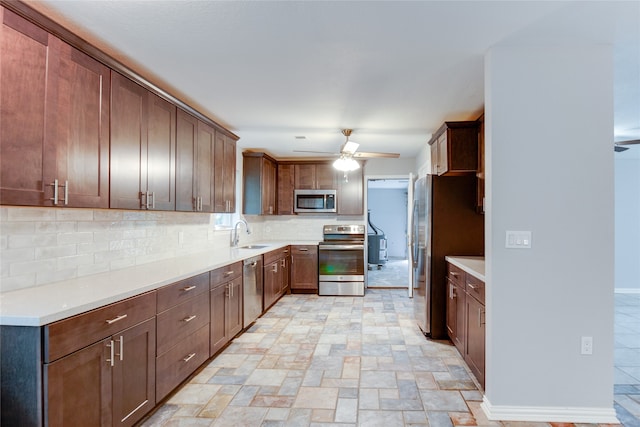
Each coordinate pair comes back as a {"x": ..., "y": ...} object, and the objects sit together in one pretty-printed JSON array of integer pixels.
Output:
[{"x": 45, "y": 245}]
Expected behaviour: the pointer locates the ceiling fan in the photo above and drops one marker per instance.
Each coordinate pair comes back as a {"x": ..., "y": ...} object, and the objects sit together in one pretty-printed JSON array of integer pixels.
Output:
[
  {"x": 620, "y": 145},
  {"x": 348, "y": 150}
]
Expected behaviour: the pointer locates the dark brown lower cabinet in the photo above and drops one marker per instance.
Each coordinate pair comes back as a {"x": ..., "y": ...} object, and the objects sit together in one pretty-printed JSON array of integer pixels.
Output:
[
  {"x": 226, "y": 313},
  {"x": 466, "y": 318},
  {"x": 475, "y": 346},
  {"x": 304, "y": 268},
  {"x": 108, "y": 383}
]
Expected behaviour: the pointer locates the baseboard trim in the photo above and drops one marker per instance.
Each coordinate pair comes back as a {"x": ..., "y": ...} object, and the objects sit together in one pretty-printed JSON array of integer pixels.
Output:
[
  {"x": 627, "y": 290},
  {"x": 549, "y": 414}
]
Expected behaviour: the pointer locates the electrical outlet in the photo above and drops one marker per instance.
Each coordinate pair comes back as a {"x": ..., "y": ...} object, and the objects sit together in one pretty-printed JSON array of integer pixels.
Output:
[{"x": 587, "y": 345}]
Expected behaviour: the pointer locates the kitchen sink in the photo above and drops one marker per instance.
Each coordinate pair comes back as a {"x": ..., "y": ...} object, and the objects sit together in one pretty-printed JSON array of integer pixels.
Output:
[{"x": 253, "y": 247}]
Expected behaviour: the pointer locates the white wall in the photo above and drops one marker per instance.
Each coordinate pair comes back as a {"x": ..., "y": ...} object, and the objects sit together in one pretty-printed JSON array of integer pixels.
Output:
[
  {"x": 627, "y": 222},
  {"x": 389, "y": 212},
  {"x": 400, "y": 166},
  {"x": 549, "y": 122}
]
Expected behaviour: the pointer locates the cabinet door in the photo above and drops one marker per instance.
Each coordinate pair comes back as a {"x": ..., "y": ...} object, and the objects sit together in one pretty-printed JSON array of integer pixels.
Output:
[
  {"x": 24, "y": 49},
  {"x": 269, "y": 187},
  {"x": 224, "y": 173},
  {"x": 304, "y": 268},
  {"x": 271, "y": 285},
  {"x": 325, "y": 176},
  {"x": 186, "y": 148},
  {"x": 305, "y": 176},
  {"x": 234, "y": 308},
  {"x": 160, "y": 161},
  {"x": 285, "y": 189},
  {"x": 134, "y": 373},
  {"x": 350, "y": 194},
  {"x": 451, "y": 310},
  {"x": 78, "y": 388},
  {"x": 218, "y": 323},
  {"x": 461, "y": 318},
  {"x": 475, "y": 347},
  {"x": 80, "y": 117},
  {"x": 229, "y": 178},
  {"x": 128, "y": 143},
  {"x": 443, "y": 153},
  {"x": 204, "y": 167}
]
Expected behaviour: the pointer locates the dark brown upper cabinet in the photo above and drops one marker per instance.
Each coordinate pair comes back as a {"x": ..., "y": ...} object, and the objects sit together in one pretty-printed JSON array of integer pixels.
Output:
[
  {"x": 454, "y": 149},
  {"x": 54, "y": 139},
  {"x": 143, "y": 148},
  {"x": 224, "y": 174},
  {"x": 259, "y": 194},
  {"x": 195, "y": 164}
]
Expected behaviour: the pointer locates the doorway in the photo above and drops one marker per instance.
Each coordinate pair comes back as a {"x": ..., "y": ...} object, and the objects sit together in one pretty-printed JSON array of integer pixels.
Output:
[{"x": 388, "y": 204}]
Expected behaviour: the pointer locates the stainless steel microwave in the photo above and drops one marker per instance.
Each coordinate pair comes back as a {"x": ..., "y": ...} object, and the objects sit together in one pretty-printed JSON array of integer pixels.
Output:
[{"x": 314, "y": 201}]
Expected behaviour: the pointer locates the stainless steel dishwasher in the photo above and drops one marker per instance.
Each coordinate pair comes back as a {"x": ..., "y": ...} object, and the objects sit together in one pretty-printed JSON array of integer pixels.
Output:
[{"x": 252, "y": 287}]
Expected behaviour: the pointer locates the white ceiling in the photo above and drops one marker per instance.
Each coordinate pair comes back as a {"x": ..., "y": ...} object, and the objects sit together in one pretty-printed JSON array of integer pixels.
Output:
[{"x": 392, "y": 71}]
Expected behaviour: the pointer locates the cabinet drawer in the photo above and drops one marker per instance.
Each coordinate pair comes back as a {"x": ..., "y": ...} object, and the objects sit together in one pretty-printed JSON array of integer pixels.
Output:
[
  {"x": 68, "y": 335},
  {"x": 475, "y": 288},
  {"x": 181, "y": 291},
  {"x": 277, "y": 254},
  {"x": 180, "y": 361},
  {"x": 226, "y": 273},
  {"x": 180, "y": 321},
  {"x": 455, "y": 274},
  {"x": 304, "y": 249}
]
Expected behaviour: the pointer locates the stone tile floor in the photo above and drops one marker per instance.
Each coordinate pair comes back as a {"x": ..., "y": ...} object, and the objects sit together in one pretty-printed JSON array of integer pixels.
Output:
[{"x": 346, "y": 361}]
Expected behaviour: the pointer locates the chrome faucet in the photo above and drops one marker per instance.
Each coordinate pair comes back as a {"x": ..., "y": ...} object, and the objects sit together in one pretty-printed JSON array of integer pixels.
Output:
[{"x": 235, "y": 238}]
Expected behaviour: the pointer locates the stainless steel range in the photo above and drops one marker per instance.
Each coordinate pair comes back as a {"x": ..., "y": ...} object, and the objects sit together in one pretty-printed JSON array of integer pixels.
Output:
[{"x": 341, "y": 261}]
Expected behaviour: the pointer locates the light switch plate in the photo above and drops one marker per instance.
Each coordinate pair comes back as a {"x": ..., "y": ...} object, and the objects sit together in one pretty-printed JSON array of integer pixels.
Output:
[{"x": 518, "y": 240}]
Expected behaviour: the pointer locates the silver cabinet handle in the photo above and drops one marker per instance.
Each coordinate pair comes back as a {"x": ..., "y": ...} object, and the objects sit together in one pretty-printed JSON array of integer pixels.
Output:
[
  {"x": 54, "y": 184},
  {"x": 199, "y": 204},
  {"x": 116, "y": 319},
  {"x": 472, "y": 286},
  {"x": 480, "y": 312},
  {"x": 190, "y": 318},
  {"x": 66, "y": 193},
  {"x": 275, "y": 267},
  {"x": 189, "y": 357},
  {"x": 283, "y": 263},
  {"x": 453, "y": 273},
  {"x": 111, "y": 353},
  {"x": 188, "y": 288},
  {"x": 303, "y": 249},
  {"x": 228, "y": 273},
  {"x": 121, "y": 342}
]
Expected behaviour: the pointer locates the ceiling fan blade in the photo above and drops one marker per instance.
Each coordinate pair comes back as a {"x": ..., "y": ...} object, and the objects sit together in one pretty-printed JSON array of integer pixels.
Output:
[
  {"x": 316, "y": 152},
  {"x": 628, "y": 142},
  {"x": 620, "y": 149},
  {"x": 365, "y": 155}
]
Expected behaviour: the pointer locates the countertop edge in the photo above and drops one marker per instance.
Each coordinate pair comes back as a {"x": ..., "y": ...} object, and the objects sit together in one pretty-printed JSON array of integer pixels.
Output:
[
  {"x": 473, "y": 265},
  {"x": 46, "y": 303}
]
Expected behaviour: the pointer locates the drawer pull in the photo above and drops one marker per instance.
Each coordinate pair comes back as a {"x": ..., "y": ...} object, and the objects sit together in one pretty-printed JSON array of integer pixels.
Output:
[
  {"x": 453, "y": 273},
  {"x": 189, "y": 357},
  {"x": 303, "y": 249},
  {"x": 228, "y": 273},
  {"x": 118, "y": 318},
  {"x": 189, "y": 319},
  {"x": 480, "y": 313},
  {"x": 472, "y": 286},
  {"x": 111, "y": 353},
  {"x": 188, "y": 288},
  {"x": 121, "y": 341}
]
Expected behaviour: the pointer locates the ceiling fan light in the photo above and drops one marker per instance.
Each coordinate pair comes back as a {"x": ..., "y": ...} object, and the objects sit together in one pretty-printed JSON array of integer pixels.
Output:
[{"x": 346, "y": 164}]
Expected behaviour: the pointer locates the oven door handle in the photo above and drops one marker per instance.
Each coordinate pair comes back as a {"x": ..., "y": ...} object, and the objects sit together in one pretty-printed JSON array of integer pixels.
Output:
[{"x": 340, "y": 247}]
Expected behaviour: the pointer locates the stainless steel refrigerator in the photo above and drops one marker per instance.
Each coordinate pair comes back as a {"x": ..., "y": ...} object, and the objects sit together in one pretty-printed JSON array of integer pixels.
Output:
[{"x": 444, "y": 222}]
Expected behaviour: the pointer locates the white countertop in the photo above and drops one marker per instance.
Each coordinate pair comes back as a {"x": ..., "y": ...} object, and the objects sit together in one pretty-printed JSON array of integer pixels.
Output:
[
  {"x": 40, "y": 305},
  {"x": 473, "y": 265}
]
